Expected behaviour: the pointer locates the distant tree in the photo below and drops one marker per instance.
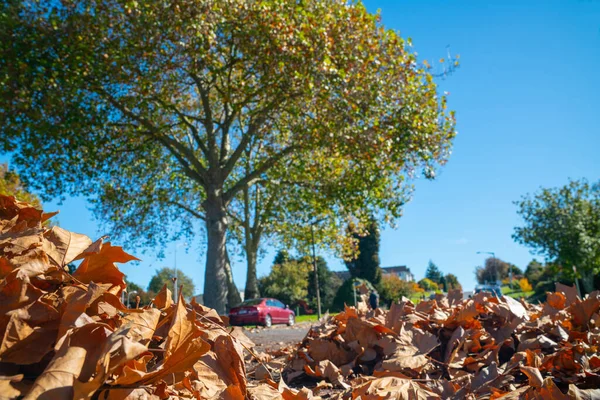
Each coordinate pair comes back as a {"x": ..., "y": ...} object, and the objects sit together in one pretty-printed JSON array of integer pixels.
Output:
[
  {"x": 11, "y": 185},
  {"x": 392, "y": 288},
  {"x": 433, "y": 273},
  {"x": 287, "y": 282},
  {"x": 165, "y": 275},
  {"x": 428, "y": 285},
  {"x": 493, "y": 270},
  {"x": 452, "y": 282},
  {"x": 366, "y": 264},
  {"x": 514, "y": 269},
  {"x": 534, "y": 271},
  {"x": 146, "y": 297},
  {"x": 329, "y": 283},
  {"x": 281, "y": 257},
  {"x": 563, "y": 224}
]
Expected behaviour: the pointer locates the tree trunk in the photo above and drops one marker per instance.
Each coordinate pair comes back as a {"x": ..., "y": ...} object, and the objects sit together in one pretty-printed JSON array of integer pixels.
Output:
[
  {"x": 251, "y": 291},
  {"x": 233, "y": 294},
  {"x": 251, "y": 245},
  {"x": 215, "y": 276},
  {"x": 587, "y": 281}
]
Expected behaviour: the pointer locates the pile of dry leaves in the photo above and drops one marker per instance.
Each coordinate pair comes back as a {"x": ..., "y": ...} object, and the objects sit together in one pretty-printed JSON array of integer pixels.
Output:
[
  {"x": 450, "y": 348},
  {"x": 68, "y": 336}
]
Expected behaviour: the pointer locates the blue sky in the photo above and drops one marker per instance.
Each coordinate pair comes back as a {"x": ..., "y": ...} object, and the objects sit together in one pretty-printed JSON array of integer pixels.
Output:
[{"x": 527, "y": 97}]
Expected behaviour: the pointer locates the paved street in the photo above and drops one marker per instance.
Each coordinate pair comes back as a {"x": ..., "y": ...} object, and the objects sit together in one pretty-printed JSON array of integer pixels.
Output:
[{"x": 277, "y": 336}]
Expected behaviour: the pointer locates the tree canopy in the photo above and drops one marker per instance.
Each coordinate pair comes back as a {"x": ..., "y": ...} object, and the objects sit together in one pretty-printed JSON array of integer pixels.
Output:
[
  {"x": 563, "y": 224},
  {"x": 451, "y": 282},
  {"x": 534, "y": 271},
  {"x": 165, "y": 275},
  {"x": 164, "y": 113},
  {"x": 11, "y": 185}
]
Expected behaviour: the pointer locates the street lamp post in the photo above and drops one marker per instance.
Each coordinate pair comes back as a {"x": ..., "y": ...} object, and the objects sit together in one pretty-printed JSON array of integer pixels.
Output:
[
  {"x": 129, "y": 294},
  {"x": 495, "y": 271},
  {"x": 175, "y": 284},
  {"x": 316, "y": 269}
]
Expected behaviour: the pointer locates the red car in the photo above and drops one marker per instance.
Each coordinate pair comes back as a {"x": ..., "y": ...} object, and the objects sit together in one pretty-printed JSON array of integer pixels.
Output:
[{"x": 264, "y": 312}]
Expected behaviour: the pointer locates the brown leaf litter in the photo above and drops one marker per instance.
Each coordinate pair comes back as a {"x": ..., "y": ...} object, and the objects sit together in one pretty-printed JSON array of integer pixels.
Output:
[{"x": 69, "y": 337}]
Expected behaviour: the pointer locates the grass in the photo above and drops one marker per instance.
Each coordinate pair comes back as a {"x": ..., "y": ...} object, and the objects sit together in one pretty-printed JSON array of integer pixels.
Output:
[
  {"x": 310, "y": 318},
  {"x": 306, "y": 318},
  {"x": 516, "y": 293}
]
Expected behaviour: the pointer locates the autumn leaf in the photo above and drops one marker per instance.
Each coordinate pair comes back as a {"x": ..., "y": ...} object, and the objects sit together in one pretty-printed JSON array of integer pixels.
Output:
[
  {"x": 98, "y": 264},
  {"x": 63, "y": 246}
]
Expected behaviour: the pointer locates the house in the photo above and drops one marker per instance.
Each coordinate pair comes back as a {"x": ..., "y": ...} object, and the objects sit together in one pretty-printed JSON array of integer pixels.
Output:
[{"x": 402, "y": 271}]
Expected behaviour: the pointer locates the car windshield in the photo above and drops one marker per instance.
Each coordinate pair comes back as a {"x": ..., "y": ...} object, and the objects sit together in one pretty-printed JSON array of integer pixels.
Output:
[{"x": 252, "y": 302}]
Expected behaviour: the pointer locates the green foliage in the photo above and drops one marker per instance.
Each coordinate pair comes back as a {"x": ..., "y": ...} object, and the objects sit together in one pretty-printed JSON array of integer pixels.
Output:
[
  {"x": 146, "y": 297},
  {"x": 534, "y": 271},
  {"x": 166, "y": 112},
  {"x": 329, "y": 284},
  {"x": 366, "y": 264},
  {"x": 428, "y": 285},
  {"x": 287, "y": 282},
  {"x": 563, "y": 224},
  {"x": 391, "y": 288},
  {"x": 282, "y": 257},
  {"x": 345, "y": 296},
  {"x": 165, "y": 275},
  {"x": 433, "y": 273},
  {"x": 451, "y": 282},
  {"x": 11, "y": 185}
]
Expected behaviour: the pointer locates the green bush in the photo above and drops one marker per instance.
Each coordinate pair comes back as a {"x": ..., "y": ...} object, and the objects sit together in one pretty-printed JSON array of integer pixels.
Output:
[{"x": 344, "y": 294}]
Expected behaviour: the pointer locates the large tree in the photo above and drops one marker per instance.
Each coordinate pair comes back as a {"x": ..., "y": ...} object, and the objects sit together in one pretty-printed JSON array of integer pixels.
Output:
[
  {"x": 433, "y": 273},
  {"x": 365, "y": 264},
  {"x": 563, "y": 224},
  {"x": 150, "y": 109}
]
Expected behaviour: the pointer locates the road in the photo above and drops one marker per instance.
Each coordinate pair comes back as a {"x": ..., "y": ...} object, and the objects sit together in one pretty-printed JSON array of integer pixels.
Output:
[{"x": 278, "y": 336}]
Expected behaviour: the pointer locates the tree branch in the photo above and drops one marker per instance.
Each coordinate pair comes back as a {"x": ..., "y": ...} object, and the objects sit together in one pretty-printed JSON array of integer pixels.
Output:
[
  {"x": 184, "y": 118},
  {"x": 168, "y": 142},
  {"x": 208, "y": 119},
  {"x": 186, "y": 208},
  {"x": 254, "y": 175}
]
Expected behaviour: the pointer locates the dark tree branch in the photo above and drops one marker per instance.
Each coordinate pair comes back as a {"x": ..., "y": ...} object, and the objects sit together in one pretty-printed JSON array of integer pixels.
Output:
[
  {"x": 208, "y": 119},
  {"x": 184, "y": 118},
  {"x": 168, "y": 142},
  {"x": 254, "y": 175},
  {"x": 186, "y": 208}
]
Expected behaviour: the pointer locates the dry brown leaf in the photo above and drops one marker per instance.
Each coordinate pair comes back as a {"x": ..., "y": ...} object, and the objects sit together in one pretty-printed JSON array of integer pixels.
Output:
[
  {"x": 164, "y": 298},
  {"x": 392, "y": 388},
  {"x": 63, "y": 246},
  {"x": 534, "y": 376},
  {"x": 76, "y": 358},
  {"x": 99, "y": 266}
]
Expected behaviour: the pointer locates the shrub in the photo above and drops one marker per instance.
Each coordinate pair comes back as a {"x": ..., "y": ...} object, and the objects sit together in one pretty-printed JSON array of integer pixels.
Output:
[
  {"x": 428, "y": 285},
  {"x": 392, "y": 288},
  {"x": 344, "y": 294},
  {"x": 525, "y": 285}
]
